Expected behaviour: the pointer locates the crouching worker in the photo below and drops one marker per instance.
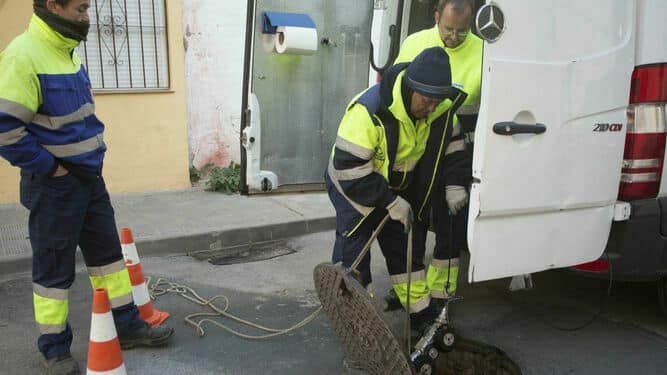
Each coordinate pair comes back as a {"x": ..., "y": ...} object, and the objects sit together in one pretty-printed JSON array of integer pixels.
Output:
[
  {"x": 384, "y": 133},
  {"x": 48, "y": 128}
]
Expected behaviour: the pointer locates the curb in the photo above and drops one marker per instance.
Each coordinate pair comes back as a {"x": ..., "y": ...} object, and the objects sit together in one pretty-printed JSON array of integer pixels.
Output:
[{"x": 212, "y": 240}]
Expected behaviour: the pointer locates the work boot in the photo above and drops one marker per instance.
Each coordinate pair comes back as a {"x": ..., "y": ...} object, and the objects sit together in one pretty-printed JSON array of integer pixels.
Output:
[
  {"x": 392, "y": 302},
  {"x": 145, "y": 335},
  {"x": 62, "y": 365}
]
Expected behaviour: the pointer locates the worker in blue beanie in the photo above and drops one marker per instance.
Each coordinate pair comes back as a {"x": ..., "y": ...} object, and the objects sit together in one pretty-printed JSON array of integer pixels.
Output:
[
  {"x": 391, "y": 145},
  {"x": 449, "y": 214}
]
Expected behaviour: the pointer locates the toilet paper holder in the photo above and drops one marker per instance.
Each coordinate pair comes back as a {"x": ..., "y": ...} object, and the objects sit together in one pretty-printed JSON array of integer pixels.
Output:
[
  {"x": 289, "y": 33},
  {"x": 326, "y": 41}
]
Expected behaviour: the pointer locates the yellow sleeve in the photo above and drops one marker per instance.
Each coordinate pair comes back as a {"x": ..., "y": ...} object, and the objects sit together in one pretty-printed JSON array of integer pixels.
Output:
[
  {"x": 18, "y": 82},
  {"x": 357, "y": 128}
]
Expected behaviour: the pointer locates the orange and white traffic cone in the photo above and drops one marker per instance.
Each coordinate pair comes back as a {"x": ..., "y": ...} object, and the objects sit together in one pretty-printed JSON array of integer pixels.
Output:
[
  {"x": 104, "y": 354},
  {"x": 140, "y": 294}
]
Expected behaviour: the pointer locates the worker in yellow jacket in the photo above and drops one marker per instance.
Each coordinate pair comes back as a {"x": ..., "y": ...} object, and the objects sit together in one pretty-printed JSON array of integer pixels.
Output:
[
  {"x": 452, "y": 32},
  {"x": 48, "y": 129},
  {"x": 386, "y": 131}
]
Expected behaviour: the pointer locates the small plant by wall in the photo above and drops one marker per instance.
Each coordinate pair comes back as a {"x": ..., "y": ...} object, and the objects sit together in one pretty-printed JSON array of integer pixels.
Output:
[
  {"x": 199, "y": 175},
  {"x": 225, "y": 180}
]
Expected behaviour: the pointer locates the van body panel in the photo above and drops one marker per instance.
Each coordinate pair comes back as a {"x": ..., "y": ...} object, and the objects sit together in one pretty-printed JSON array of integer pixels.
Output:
[
  {"x": 651, "y": 32},
  {"x": 637, "y": 247},
  {"x": 542, "y": 201}
]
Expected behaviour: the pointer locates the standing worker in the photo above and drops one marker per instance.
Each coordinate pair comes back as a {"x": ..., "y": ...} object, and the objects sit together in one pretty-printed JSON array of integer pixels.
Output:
[
  {"x": 453, "y": 20},
  {"x": 385, "y": 131},
  {"x": 48, "y": 128}
]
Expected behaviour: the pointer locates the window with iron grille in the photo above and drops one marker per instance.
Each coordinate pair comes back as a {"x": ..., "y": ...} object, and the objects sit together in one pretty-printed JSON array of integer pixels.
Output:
[{"x": 127, "y": 45}]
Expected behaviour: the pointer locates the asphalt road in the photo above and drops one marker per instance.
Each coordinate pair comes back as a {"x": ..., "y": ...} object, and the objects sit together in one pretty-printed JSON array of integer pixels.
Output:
[{"x": 629, "y": 337}]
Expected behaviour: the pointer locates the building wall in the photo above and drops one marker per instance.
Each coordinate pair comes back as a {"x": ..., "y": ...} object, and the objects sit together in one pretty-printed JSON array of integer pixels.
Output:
[
  {"x": 214, "y": 34},
  {"x": 146, "y": 133}
]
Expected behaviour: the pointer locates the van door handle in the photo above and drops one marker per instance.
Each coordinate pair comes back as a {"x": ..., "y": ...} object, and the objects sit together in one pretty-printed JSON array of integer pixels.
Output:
[{"x": 511, "y": 128}]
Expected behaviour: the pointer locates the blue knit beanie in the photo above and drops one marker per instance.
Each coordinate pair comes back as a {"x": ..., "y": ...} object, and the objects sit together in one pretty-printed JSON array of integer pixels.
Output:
[{"x": 430, "y": 74}]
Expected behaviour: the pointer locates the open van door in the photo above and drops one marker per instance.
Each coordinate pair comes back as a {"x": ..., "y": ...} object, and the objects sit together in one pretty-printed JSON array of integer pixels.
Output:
[
  {"x": 550, "y": 135},
  {"x": 294, "y": 100}
]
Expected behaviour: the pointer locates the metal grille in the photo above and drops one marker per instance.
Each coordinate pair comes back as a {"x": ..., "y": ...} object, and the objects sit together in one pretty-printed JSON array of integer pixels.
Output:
[
  {"x": 368, "y": 341},
  {"x": 127, "y": 45}
]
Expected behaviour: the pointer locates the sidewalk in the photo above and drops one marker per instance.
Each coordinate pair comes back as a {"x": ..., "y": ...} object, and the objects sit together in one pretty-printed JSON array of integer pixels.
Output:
[{"x": 180, "y": 222}]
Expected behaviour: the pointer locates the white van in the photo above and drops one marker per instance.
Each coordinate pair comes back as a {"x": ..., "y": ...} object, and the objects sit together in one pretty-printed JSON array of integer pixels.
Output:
[{"x": 570, "y": 139}]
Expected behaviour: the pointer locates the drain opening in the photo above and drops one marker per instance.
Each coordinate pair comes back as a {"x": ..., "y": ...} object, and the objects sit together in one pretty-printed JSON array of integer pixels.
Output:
[{"x": 247, "y": 253}]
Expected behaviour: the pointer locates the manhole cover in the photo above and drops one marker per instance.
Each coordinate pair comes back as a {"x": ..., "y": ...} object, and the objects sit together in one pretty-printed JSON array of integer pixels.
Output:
[
  {"x": 369, "y": 344},
  {"x": 246, "y": 253}
]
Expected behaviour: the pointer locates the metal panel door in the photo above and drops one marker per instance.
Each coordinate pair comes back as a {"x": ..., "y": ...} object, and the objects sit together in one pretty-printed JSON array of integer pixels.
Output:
[
  {"x": 545, "y": 198},
  {"x": 296, "y": 101}
]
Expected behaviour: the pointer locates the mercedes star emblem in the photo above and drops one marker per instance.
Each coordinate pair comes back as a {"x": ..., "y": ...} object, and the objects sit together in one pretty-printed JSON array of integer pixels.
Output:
[{"x": 490, "y": 22}]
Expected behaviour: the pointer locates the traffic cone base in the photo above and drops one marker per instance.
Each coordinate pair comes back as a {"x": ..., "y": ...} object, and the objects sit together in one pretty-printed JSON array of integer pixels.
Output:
[
  {"x": 104, "y": 354},
  {"x": 152, "y": 315},
  {"x": 140, "y": 294}
]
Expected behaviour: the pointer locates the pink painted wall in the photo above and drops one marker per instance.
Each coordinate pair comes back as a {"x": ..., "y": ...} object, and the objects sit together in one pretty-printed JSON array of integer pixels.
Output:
[{"x": 214, "y": 39}]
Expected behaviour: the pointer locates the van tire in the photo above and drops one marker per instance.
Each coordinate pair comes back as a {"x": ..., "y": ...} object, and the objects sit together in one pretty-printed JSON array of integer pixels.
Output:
[{"x": 662, "y": 294}]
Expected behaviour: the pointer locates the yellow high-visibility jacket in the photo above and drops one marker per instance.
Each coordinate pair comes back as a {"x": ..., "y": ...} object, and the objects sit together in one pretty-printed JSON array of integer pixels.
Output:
[
  {"x": 47, "y": 113},
  {"x": 378, "y": 145}
]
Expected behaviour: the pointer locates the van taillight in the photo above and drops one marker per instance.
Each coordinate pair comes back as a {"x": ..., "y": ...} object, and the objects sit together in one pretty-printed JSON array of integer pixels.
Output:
[
  {"x": 645, "y": 140},
  {"x": 599, "y": 265},
  {"x": 649, "y": 84}
]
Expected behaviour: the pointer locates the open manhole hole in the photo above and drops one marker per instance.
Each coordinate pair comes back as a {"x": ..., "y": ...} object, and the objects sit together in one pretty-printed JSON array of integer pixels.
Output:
[{"x": 247, "y": 253}]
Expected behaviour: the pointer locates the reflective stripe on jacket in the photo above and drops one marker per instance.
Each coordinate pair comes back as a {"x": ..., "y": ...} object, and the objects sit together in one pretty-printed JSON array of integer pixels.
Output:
[{"x": 46, "y": 105}]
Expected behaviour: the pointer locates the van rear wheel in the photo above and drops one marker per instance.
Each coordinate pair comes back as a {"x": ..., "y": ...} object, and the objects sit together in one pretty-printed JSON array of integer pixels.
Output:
[{"x": 662, "y": 294}]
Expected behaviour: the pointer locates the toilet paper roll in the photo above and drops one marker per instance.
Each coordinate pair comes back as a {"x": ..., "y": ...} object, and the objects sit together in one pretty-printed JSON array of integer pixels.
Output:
[{"x": 296, "y": 40}]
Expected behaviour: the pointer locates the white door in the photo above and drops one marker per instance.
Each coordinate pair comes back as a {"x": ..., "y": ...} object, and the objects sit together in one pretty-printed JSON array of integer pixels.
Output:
[
  {"x": 545, "y": 181},
  {"x": 296, "y": 101}
]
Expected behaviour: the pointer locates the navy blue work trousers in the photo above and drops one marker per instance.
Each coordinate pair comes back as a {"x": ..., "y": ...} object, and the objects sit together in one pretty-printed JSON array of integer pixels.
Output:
[
  {"x": 351, "y": 238},
  {"x": 450, "y": 230},
  {"x": 65, "y": 212}
]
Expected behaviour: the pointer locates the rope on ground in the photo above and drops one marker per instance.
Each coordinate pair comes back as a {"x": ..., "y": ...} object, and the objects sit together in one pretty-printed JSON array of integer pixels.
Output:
[{"x": 163, "y": 286}]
